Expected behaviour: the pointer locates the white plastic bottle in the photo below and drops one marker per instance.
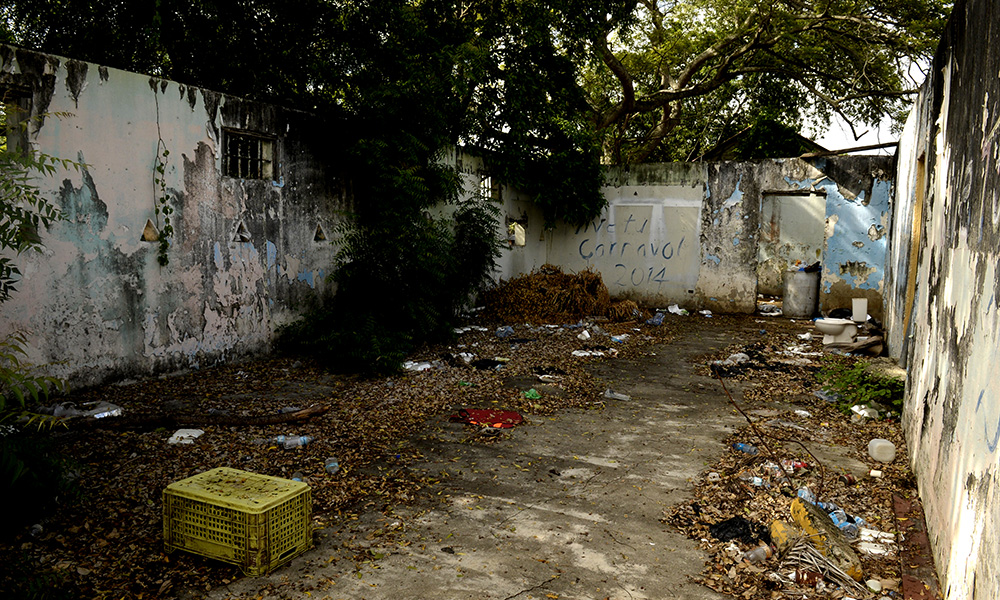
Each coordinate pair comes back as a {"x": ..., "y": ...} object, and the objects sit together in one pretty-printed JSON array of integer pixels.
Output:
[{"x": 882, "y": 450}]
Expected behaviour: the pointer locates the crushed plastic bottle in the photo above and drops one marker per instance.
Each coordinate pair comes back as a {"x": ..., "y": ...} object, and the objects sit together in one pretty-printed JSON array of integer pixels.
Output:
[
  {"x": 505, "y": 332},
  {"x": 296, "y": 441},
  {"x": 332, "y": 465},
  {"x": 758, "y": 554},
  {"x": 298, "y": 476},
  {"x": 807, "y": 495},
  {"x": 609, "y": 393},
  {"x": 753, "y": 480},
  {"x": 656, "y": 320},
  {"x": 845, "y": 524},
  {"x": 745, "y": 448}
]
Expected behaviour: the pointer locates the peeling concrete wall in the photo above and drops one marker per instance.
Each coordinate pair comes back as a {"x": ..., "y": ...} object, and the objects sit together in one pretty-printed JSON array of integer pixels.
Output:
[
  {"x": 645, "y": 244},
  {"x": 690, "y": 233},
  {"x": 945, "y": 268},
  {"x": 243, "y": 259}
]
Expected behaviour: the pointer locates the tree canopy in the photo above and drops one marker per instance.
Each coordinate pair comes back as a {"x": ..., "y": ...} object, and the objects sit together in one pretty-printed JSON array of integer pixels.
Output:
[
  {"x": 545, "y": 90},
  {"x": 545, "y": 86}
]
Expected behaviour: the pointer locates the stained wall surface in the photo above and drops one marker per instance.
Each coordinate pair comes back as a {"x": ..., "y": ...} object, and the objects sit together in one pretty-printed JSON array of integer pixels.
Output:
[
  {"x": 944, "y": 297},
  {"x": 250, "y": 253},
  {"x": 690, "y": 233},
  {"x": 244, "y": 256}
]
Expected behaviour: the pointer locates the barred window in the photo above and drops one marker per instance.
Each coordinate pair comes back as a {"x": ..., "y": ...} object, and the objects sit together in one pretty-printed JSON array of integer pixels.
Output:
[
  {"x": 248, "y": 156},
  {"x": 14, "y": 111}
]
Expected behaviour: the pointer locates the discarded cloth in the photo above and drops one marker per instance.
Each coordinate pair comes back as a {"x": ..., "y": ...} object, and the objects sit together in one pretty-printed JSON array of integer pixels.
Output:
[{"x": 501, "y": 419}]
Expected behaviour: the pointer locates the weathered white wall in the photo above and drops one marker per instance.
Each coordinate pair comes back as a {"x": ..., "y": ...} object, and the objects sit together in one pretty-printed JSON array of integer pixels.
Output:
[
  {"x": 949, "y": 174},
  {"x": 645, "y": 244},
  {"x": 792, "y": 233},
  {"x": 688, "y": 233},
  {"x": 95, "y": 301}
]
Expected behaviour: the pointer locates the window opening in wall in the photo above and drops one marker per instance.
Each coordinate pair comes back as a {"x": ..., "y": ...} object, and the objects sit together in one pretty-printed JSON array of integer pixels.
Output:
[
  {"x": 149, "y": 232},
  {"x": 242, "y": 233},
  {"x": 248, "y": 156},
  {"x": 14, "y": 110},
  {"x": 487, "y": 189}
]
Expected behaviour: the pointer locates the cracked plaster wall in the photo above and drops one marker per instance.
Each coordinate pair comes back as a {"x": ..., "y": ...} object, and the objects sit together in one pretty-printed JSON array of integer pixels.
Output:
[
  {"x": 952, "y": 346},
  {"x": 688, "y": 233},
  {"x": 96, "y": 303}
]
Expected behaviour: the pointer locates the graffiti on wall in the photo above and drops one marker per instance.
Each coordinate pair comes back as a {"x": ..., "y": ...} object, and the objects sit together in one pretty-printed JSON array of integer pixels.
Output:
[{"x": 641, "y": 247}]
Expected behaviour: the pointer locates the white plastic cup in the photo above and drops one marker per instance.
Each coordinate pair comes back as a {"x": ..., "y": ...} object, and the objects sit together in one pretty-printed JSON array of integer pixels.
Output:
[{"x": 860, "y": 306}]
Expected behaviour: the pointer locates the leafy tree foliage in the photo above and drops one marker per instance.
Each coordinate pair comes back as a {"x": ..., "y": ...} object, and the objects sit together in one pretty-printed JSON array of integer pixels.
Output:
[
  {"x": 29, "y": 474},
  {"x": 546, "y": 90},
  {"x": 844, "y": 56}
]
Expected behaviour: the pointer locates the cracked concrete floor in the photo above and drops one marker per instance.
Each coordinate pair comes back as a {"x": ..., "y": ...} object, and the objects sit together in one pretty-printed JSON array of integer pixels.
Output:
[{"x": 566, "y": 506}]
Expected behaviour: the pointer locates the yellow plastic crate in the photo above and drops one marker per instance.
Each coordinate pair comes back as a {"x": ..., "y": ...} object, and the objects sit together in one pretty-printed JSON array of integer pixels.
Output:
[{"x": 254, "y": 521}]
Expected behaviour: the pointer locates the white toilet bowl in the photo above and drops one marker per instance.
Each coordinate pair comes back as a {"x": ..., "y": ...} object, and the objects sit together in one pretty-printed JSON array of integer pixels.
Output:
[{"x": 837, "y": 330}]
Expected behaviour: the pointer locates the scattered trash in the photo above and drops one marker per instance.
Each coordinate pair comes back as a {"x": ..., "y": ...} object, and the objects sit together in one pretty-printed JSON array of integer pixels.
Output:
[
  {"x": 584, "y": 335},
  {"x": 609, "y": 393},
  {"x": 876, "y": 543},
  {"x": 713, "y": 476},
  {"x": 620, "y": 338},
  {"x": 805, "y": 336},
  {"x": 417, "y": 366},
  {"x": 862, "y": 413},
  {"x": 736, "y": 359},
  {"x": 676, "y": 310},
  {"x": 505, "y": 332},
  {"x": 754, "y": 480},
  {"x": 845, "y": 523},
  {"x": 297, "y": 476},
  {"x": 735, "y": 528},
  {"x": 461, "y": 330},
  {"x": 295, "y": 441},
  {"x": 97, "y": 410},
  {"x": 332, "y": 465},
  {"x": 882, "y": 450},
  {"x": 532, "y": 394},
  {"x": 806, "y": 494},
  {"x": 758, "y": 555},
  {"x": 500, "y": 419},
  {"x": 830, "y": 397},
  {"x": 769, "y": 310},
  {"x": 848, "y": 479},
  {"x": 549, "y": 378},
  {"x": 790, "y": 466},
  {"x": 706, "y": 313},
  {"x": 587, "y": 353},
  {"x": 657, "y": 319},
  {"x": 745, "y": 448},
  {"x": 465, "y": 357},
  {"x": 487, "y": 364},
  {"x": 185, "y": 436},
  {"x": 875, "y": 473},
  {"x": 803, "y": 413}
]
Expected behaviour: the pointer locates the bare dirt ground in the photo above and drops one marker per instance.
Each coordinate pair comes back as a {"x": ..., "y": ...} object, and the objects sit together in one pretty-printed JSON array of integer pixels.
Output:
[{"x": 591, "y": 498}]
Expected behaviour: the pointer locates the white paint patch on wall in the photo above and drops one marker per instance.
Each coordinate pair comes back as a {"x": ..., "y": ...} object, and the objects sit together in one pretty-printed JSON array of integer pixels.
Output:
[{"x": 645, "y": 244}]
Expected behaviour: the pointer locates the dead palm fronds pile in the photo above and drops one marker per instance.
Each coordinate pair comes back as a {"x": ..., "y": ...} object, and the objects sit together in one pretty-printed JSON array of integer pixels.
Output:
[{"x": 547, "y": 295}]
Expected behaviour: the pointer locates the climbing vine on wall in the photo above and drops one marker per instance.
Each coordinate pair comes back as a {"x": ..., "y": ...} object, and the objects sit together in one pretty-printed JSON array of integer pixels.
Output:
[{"x": 161, "y": 203}]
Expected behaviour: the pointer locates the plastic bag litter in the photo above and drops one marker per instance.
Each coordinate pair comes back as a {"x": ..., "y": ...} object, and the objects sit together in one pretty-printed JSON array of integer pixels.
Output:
[
  {"x": 737, "y": 528},
  {"x": 417, "y": 366},
  {"x": 185, "y": 436}
]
